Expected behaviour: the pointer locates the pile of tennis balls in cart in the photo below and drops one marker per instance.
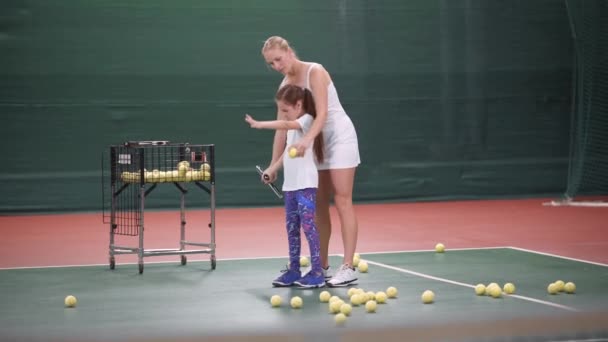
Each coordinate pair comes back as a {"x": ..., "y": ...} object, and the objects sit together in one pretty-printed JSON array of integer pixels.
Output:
[
  {"x": 342, "y": 308},
  {"x": 182, "y": 173}
]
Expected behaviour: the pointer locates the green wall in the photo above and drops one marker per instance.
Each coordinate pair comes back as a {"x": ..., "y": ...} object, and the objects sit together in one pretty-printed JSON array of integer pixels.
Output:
[{"x": 451, "y": 99}]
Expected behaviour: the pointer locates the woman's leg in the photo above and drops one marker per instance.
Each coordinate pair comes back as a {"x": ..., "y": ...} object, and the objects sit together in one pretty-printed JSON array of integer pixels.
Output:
[
  {"x": 322, "y": 217},
  {"x": 343, "y": 182}
]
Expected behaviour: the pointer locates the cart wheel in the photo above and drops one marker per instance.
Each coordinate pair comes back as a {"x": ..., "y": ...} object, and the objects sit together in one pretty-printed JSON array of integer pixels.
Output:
[
  {"x": 141, "y": 268},
  {"x": 184, "y": 259},
  {"x": 213, "y": 262},
  {"x": 112, "y": 263}
]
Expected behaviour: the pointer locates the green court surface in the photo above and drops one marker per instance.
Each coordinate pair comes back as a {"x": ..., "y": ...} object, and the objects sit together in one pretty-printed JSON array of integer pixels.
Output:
[{"x": 173, "y": 302}]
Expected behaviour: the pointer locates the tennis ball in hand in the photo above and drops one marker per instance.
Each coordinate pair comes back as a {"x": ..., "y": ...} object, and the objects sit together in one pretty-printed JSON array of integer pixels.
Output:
[
  {"x": 293, "y": 152},
  {"x": 70, "y": 301}
]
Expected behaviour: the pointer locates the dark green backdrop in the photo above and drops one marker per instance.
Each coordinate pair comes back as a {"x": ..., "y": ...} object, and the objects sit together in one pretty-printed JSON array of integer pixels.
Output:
[{"x": 451, "y": 99}]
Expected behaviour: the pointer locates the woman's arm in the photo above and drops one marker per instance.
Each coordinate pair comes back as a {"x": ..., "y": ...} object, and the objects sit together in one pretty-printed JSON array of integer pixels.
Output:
[{"x": 319, "y": 80}]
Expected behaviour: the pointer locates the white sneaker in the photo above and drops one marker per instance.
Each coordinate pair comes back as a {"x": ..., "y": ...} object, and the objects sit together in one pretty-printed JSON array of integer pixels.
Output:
[{"x": 345, "y": 276}]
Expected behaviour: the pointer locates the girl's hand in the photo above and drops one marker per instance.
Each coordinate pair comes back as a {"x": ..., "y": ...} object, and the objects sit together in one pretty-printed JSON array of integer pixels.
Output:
[
  {"x": 253, "y": 123},
  {"x": 272, "y": 175}
]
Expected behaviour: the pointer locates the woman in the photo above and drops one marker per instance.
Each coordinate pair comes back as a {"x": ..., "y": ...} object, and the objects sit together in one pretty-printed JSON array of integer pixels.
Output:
[{"x": 341, "y": 151}]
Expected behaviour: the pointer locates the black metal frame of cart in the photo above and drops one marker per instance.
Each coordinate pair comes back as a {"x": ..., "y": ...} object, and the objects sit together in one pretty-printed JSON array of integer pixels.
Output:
[{"x": 136, "y": 168}]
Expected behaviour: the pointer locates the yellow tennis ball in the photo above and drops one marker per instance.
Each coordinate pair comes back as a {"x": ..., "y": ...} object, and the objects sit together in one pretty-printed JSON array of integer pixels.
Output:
[
  {"x": 380, "y": 297},
  {"x": 391, "y": 292},
  {"x": 346, "y": 309},
  {"x": 304, "y": 262},
  {"x": 334, "y": 307},
  {"x": 480, "y": 289},
  {"x": 340, "y": 318},
  {"x": 509, "y": 288},
  {"x": 552, "y": 288},
  {"x": 356, "y": 299},
  {"x": 570, "y": 287},
  {"x": 363, "y": 266},
  {"x": 560, "y": 285},
  {"x": 356, "y": 261},
  {"x": 70, "y": 301},
  {"x": 439, "y": 248},
  {"x": 205, "y": 167},
  {"x": 495, "y": 291},
  {"x": 351, "y": 291},
  {"x": 296, "y": 302},
  {"x": 334, "y": 298},
  {"x": 371, "y": 295},
  {"x": 371, "y": 306},
  {"x": 182, "y": 168},
  {"x": 293, "y": 152},
  {"x": 324, "y": 296},
  {"x": 427, "y": 297},
  {"x": 489, "y": 288},
  {"x": 275, "y": 301}
]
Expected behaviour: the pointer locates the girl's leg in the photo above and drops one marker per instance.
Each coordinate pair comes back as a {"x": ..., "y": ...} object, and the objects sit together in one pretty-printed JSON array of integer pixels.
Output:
[
  {"x": 322, "y": 217},
  {"x": 306, "y": 205},
  {"x": 292, "y": 219},
  {"x": 342, "y": 181}
]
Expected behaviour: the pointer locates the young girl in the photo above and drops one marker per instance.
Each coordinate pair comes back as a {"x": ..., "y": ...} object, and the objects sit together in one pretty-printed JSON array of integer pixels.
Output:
[{"x": 300, "y": 183}]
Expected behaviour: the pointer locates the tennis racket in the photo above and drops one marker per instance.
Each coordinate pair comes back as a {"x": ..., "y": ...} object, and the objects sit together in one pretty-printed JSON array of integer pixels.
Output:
[{"x": 270, "y": 185}]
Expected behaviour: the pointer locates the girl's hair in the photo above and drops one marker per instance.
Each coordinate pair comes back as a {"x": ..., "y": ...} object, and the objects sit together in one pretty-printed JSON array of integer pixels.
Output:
[
  {"x": 277, "y": 42},
  {"x": 291, "y": 94}
]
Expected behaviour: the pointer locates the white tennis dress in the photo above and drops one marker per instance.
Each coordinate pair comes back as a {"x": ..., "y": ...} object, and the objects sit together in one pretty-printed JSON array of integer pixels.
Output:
[{"x": 341, "y": 148}]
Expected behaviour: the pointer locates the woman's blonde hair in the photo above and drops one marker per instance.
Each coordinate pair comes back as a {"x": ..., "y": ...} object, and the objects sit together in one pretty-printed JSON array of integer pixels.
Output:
[{"x": 278, "y": 43}]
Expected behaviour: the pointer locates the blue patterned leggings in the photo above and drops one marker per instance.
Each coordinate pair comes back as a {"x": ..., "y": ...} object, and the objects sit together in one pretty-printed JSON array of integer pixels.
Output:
[{"x": 300, "y": 212}]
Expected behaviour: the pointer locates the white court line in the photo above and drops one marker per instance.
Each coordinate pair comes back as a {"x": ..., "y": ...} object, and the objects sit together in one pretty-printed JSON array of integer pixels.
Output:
[
  {"x": 559, "y": 256},
  {"x": 422, "y": 275}
]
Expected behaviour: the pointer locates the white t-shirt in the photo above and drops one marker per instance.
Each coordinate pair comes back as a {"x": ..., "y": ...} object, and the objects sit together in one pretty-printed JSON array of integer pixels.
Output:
[{"x": 300, "y": 172}]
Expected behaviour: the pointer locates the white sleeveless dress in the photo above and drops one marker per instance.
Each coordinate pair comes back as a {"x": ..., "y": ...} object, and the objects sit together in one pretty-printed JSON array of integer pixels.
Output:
[{"x": 341, "y": 148}]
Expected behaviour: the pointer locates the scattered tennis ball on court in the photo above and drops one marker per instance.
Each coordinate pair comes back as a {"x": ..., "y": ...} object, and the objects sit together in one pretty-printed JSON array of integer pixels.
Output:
[
  {"x": 391, "y": 292},
  {"x": 560, "y": 285},
  {"x": 275, "y": 301},
  {"x": 489, "y": 288},
  {"x": 371, "y": 306},
  {"x": 428, "y": 297},
  {"x": 380, "y": 297},
  {"x": 439, "y": 248},
  {"x": 356, "y": 299},
  {"x": 552, "y": 288},
  {"x": 304, "y": 262},
  {"x": 70, "y": 301},
  {"x": 351, "y": 291},
  {"x": 334, "y": 298},
  {"x": 346, "y": 309},
  {"x": 363, "y": 267},
  {"x": 356, "y": 260},
  {"x": 509, "y": 288},
  {"x": 324, "y": 296},
  {"x": 495, "y": 291},
  {"x": 570, "y": 287},
  {"x": 480, "y": 289},
  {"x": 334, "y": 307},
  {"x": 371, "y": 295},
  {"x": 293, "y": 152},
  {"x": 340, "y": 318},
  {"x": 296, "y": 302}
]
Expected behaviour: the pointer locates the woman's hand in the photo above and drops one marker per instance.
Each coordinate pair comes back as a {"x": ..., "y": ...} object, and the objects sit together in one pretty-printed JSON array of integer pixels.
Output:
[{"x": 253, "y": 123}]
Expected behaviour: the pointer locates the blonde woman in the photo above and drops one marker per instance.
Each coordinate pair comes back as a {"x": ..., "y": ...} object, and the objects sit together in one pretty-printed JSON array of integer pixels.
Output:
[{"x": 341, "y": 151}]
